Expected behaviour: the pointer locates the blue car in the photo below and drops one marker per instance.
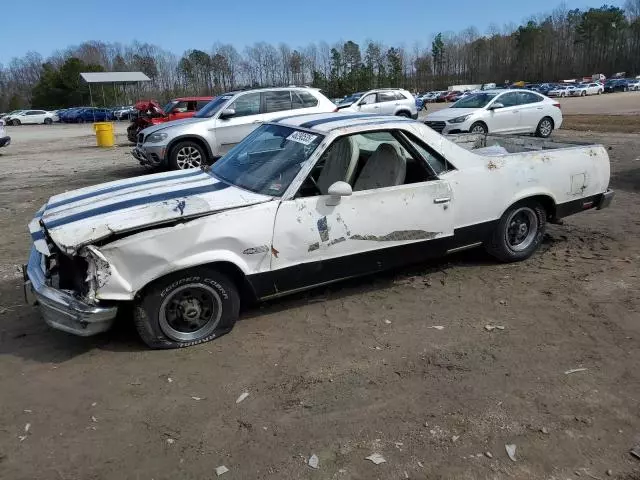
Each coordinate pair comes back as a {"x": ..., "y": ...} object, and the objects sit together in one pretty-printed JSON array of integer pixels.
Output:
[{"x": 90, "y": 114}]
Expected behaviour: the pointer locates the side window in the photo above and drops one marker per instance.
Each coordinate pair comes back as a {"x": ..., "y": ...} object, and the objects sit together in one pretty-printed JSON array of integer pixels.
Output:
[
  {"x": 277, "y": 101},
  {"x": 180, "y": 107},
  {"x": 386, "y": 97},
  {"x": 201, "y": 103},
  {"x": 437, "y": 163},
  {"x": 248, "y": 104},
  {"x": 191, "y": 106},
  {"x": 296, "y": 101},
  {"x": 308, "y": 100},
  {"x": 32, "y": 112},
  {"x": 369, "y": 99},
  {"x": 509, "y": 99},
  {"x": 399, "y": 96},
  {"x": 366, "y": 161},
  {"x": 528, "y": 97}
]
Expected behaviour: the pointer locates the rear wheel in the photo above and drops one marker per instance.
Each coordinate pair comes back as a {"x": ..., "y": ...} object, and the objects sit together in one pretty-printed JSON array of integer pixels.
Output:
[
  {"x": 187, "y": 308},
  {"x": 545, "y": 127},
  {"x": 479, "y": 128},
  {"x": 186, "y": 155},
  {"x": 403, "y": 114},
  {"x": 519, "y": 232},
  {"x": 48, "y": 121}
]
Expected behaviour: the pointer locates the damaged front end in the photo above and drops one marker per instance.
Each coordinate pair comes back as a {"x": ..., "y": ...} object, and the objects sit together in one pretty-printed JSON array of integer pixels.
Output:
[{"x": 64, "y": 287}]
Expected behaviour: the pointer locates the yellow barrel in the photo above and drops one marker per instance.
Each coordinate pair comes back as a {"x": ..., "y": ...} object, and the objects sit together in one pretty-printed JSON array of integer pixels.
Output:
[{"x": 105, "y": 136}]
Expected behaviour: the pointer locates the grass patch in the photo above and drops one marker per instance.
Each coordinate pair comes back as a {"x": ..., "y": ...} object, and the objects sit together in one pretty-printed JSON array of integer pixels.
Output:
[{"x": 603, "y": 123}]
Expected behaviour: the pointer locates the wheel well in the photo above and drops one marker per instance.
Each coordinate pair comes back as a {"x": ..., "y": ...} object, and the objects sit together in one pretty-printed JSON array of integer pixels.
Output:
[
  {"x": 237, "y": 276},
  {"x": 403, "y": 112},
  {"x": 547, "y": 203},
  {"x": 204, "y": 145},
  {"x": 480, "y": 122}
]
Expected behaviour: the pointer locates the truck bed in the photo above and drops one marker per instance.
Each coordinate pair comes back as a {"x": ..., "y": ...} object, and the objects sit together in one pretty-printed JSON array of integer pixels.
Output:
[{"x": 493, "y": 145}]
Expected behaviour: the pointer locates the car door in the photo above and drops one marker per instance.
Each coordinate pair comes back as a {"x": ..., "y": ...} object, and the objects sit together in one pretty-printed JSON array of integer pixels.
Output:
[
  {"x": 507, "y": 118},
  {"x": 31, "y": 116},
  {"x": 389, "y": 222},
  {"x": 387, "y": 102},
  {"x": 247, "y": 117},
  {"x": 531, "y": 111},
  {"x": 369, "y": 104}
]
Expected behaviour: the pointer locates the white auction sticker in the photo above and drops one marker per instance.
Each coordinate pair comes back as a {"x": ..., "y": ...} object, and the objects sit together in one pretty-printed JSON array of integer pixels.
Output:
[{"x": 302, "y": 137}]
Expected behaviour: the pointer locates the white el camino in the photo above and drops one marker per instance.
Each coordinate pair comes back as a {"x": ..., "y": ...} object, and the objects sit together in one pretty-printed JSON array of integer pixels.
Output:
[{"x": 302, "y": 201}]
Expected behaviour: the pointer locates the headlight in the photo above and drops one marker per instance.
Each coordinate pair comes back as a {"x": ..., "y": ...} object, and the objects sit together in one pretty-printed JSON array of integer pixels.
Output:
[
  {"x": 156, "y": 137},
  {"x": 459, "y": 119}
]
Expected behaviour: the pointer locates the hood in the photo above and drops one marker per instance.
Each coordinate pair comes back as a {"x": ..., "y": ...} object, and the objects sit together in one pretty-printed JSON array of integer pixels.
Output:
[
  {"x": 173, "y": 123},
  {"x": 84, "y": 216},
  {"x": 144, "y": 105},
  {"x": 449, "y": 113}
]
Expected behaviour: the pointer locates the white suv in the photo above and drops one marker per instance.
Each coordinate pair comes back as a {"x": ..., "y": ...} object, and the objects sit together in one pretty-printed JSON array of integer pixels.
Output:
[
  {"x": 385, "y": 101},
  {"x": 222, "y": 124}
]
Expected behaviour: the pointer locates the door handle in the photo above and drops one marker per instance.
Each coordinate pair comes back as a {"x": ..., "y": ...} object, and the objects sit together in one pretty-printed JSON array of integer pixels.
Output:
[
  {"x": 376, "y": 106},
  {"x": 538, "y": 108},
  {"x": 442, "y": 200}
]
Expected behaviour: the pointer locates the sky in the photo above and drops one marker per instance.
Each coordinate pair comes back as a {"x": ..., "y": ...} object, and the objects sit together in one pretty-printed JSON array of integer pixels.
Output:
[{"x": 48, "y": 25}]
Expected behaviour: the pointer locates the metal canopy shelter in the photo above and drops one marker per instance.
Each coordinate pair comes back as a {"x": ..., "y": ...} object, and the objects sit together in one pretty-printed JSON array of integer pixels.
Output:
[{"x": 116, "y": 78}]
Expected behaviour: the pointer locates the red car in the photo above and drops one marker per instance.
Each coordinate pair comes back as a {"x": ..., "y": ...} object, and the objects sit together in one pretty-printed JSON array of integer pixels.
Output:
[{"x": 150, "y": 113}]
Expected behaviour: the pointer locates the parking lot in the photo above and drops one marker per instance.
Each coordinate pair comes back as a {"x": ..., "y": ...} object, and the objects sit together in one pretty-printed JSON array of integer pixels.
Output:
[{"x": 346, "y": 371}]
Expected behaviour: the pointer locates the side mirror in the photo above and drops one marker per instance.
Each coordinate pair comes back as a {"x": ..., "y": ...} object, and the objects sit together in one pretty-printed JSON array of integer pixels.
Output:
[
  {"x": 496, "y": 105},
  {"x": 227, "y": 113},
  {"x": 337, "y": 191}
]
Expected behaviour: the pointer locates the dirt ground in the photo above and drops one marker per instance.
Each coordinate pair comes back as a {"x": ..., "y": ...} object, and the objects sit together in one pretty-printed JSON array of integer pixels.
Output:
[{"x": 342, "y": 372}]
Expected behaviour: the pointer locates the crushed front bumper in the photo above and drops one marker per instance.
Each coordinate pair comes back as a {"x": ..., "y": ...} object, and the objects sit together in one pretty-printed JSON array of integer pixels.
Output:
[
  {"x": 152, "y": 157},
  {"x": 60, "y": 308}
]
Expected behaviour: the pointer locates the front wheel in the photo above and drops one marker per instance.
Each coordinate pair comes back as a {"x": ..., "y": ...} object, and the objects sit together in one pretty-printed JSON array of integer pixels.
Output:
[
  {"x": 403, "y": 114},
  {"x": 186, "y": 155},
  {"x": 519, "y": 232},
  {"x": 16, "y": 122},
  {"x": 48, "y": 121},
  {"x": 187, "y": 308},
  {"x": 479, "y": 128},
  {"x": 545, "y": 127}
]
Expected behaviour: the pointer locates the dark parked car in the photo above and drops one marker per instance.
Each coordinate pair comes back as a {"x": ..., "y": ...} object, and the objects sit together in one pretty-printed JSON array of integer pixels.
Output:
[
  {"x": 90, "y": 114},
  {"x": 616, "y": 85}
]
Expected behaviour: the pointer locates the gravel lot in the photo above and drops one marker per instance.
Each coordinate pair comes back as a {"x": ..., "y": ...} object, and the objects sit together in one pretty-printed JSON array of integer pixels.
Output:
[{"x": 326, "y": 372}]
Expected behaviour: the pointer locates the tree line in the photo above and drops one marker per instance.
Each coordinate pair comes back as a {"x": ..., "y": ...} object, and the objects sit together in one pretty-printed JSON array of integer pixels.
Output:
[{"x": 563, "y": 44}]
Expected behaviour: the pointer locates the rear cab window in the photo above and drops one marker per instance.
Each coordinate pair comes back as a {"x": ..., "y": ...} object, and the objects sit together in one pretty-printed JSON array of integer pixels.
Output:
[{"x": 247, "y": 104}]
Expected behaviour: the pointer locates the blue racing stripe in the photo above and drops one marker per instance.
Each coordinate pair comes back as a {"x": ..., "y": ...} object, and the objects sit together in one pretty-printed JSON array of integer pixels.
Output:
[
  {"x": 336, "y": 118},
  {"x": 39, "y": 235},
  {"x": 292, "y": 116},
  {"x": 393, "y": 120},
  {"x": 115, "y": 188},
  {"x": 134, "y": 202}
]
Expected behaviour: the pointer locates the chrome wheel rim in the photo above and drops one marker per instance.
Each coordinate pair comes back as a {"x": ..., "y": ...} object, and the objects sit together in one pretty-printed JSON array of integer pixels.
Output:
[
  {"x": 477, "y": 129},
  {"x": 545, "y": 128},
  {"x": 522, "y": 228},
  {"x": 190, "y": 312},
  {"x": 188, "y": 157}
]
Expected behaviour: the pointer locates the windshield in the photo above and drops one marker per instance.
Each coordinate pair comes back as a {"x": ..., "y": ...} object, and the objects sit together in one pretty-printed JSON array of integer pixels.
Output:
[
  {"x": 476, "y": 100},
  {"x": 267, "y": 160},
  {"x": 351, "y": 98},
  {"x": 213, "y": 107},
  {"x": 167, "y": 108}
]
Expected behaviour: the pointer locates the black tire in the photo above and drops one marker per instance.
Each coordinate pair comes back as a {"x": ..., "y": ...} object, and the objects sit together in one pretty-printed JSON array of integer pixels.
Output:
[
  {"x": 479, "y": 128},
  {"x": 403, "y": 114},
  {"x": 15, "y": 122},
  {"x": 545, "y": 127},
  {"x": 506, "y": 243},
  {"x": 169, "y": 312},
  {"x": 187, "y": 154},
  {"x": 48, "y": 121},
  {"x": 583, "y": 94}
]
